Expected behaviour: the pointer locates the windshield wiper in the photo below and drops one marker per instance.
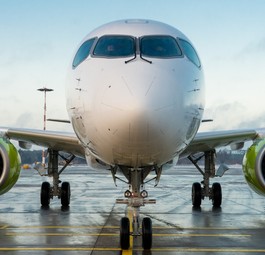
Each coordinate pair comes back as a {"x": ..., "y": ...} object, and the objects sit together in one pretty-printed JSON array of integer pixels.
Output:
[
  {"x": 148, "y": 61},
  {"x": 130, "y": 60}
]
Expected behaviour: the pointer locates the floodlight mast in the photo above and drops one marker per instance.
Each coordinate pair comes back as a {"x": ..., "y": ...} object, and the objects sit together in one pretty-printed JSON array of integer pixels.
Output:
[{"x": 45, "y": 90}]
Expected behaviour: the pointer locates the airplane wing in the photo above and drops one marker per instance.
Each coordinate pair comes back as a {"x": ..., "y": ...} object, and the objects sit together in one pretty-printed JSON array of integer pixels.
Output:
[
  {"x": 68, "y": 142},
  {"x": 61, "y": 141},
  {"x": 207, "y": 141}
]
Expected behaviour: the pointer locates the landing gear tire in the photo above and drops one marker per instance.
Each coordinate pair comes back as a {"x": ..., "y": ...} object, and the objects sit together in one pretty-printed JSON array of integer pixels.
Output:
[
  {"x": 45, "y": 194},
  {"x": 147, "y": 233},
  {"x": 125, "y": 233},
  {"x": 217, "y": 194},
  {"x": 65, "y": 194},
  {"x": 196, "y": 194}
]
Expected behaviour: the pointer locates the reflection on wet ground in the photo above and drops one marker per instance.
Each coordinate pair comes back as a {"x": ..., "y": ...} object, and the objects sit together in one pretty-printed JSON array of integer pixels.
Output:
[{"x": 91, "y": 224}]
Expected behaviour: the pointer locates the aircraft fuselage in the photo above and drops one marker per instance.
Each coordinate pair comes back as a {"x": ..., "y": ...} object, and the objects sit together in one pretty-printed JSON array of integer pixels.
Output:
[{"x": 138, "y": 105}]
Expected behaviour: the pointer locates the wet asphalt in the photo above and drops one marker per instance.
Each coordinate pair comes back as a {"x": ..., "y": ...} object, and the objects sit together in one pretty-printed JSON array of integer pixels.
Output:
[{"x": 91, "y": 224}]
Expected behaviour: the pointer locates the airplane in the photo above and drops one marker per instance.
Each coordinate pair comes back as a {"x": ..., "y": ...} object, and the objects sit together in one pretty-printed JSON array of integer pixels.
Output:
[{"x": 135, "y": 97}]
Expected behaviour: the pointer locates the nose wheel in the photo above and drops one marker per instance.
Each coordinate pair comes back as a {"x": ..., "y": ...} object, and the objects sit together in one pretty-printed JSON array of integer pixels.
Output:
[
  {"x": 125, "y": 233},
  {"x": 147, "y": 233}
]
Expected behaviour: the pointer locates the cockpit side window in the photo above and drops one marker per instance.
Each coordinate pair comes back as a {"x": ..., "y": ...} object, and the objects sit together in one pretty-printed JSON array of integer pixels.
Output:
[
  {"x": 83, "y": 52},
  {"x": 159, "y": 46},
  {"x": 190, "y": 52},
  {"x": 115, "y": 46}
]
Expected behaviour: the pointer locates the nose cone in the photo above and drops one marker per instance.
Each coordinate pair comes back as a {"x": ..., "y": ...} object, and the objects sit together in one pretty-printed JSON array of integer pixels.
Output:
[
  {"x": 139, "y": 113},
  {"x": 139, "y": 107},
  {"x": 150, "y": 89},
  {"x": 140, "y": 119}
]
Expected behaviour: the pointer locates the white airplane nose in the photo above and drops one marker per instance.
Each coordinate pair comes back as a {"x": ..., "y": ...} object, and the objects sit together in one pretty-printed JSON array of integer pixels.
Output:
[
  {"x": 141, "y": 110},
  {"x": 139, "y": 134},
  {"x": 141, "y": 115},
  {"x": 145, "y": 121}
]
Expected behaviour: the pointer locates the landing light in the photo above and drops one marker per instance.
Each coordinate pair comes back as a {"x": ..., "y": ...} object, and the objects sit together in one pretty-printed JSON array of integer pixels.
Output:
[
  {"x": 127, "y": 193},
  {"x": 144, "y": 194}
]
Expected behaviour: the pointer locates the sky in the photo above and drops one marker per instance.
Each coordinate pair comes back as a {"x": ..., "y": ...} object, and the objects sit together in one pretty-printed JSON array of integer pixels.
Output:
[{"x": 39, "y": 39}]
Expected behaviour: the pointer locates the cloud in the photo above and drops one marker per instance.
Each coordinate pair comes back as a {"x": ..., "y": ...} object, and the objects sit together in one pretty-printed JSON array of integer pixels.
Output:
[
  {"x": 232, "y": 116},
  {"x": 252, "y": 48},
  {"x": 253, "y": 122},
  {"x": 25, "y": 120}
]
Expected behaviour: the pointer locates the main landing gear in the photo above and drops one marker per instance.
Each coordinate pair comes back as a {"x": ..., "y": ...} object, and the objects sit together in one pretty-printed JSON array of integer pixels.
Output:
[
  {"x": 135, "y": 197},
  {"x": 63, "y": 192},
  {"x": 203, "y": 189}
]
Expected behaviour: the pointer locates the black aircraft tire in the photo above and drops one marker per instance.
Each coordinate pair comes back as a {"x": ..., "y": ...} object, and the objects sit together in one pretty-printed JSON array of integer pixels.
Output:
[
  {"x": 217, "y": 194},
  {"x": 45, "y": 194},
  {"x": 196, "y": 194},
  {"x": 65, "y": 194},
  {"x": 147, "y": 233},
  {"x": 125, "y": 233}
]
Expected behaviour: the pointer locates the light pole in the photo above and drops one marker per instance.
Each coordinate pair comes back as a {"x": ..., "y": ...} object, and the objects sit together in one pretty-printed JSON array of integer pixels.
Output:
[{"x": 45, "y": 90}]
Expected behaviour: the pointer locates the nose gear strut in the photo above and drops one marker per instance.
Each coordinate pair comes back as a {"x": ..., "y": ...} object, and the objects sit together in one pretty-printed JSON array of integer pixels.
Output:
[{"x": 135, "y": 197}]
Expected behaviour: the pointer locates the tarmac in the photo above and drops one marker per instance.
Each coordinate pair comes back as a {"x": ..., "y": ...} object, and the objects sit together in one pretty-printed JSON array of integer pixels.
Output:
[{"x": 91, "y": 224}]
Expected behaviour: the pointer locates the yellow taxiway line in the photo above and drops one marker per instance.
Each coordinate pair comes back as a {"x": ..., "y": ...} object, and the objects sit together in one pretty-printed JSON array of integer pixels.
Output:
[
  {"x": 61, "y": 227},
  {"x": 205, "y": 250},
  {"x": 57, "y": 249},
  {"x": 126, "y": 252},
  {"x": 113, "y": 234},
  {"x": 117, "y": 227},
  {"x": 59, "y": 234},
  {"x": 204, "y": 235},
  {"x": 130, "y": 250}
]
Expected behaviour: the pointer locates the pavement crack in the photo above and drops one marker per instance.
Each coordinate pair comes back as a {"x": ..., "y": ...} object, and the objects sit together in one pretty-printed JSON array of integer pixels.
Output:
[
  {"x": 102, "y": 229},
  {"x": 165, "y": 222}
]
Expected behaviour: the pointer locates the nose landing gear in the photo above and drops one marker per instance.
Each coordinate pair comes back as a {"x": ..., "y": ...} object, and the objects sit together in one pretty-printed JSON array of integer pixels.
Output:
[
  {"x": 145, "y": 231},
  {"x": 135, "y": 197}
]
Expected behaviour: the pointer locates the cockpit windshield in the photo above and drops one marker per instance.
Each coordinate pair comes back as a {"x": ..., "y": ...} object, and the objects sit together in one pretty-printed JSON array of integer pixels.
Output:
[
  {"x": 159, "y": 46},
  {"x": 123, "y": 46},
  {"x": 115, "y": 46}
]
